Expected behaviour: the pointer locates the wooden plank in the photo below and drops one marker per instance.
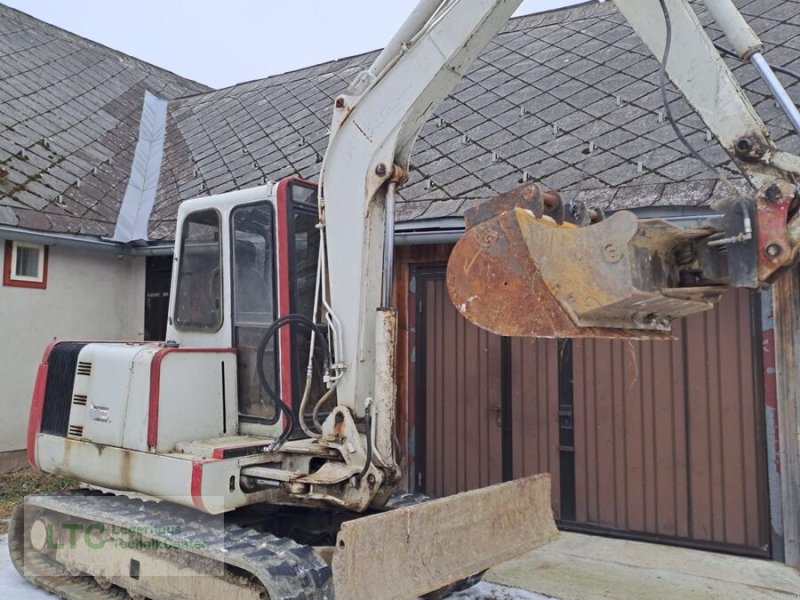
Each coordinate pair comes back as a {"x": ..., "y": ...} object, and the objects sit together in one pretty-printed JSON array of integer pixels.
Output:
[
  {"x": 786, "y": 298},
  {"x": 534, "y": 401},
  {"x": 473, "y": 408},
  {"x": 664, "y": 396},
  {"x": 448, "y": 425},
  {"x": 636, "y": 375},
  {"x": 737, "y": 422},
  {"x": 679, "y": 413},
  {"x": 699, "y": 426}
]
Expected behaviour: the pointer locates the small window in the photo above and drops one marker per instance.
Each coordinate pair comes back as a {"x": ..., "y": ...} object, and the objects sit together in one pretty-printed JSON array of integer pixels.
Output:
[
  {"x": 25, "y": 265},
  {"x": 198, "y": 304}
]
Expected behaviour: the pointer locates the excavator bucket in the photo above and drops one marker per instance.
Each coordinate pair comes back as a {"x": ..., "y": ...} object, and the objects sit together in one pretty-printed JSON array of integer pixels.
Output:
[
  {"x": 407, "y": 552},
  {"x": 522, "y": 269}
]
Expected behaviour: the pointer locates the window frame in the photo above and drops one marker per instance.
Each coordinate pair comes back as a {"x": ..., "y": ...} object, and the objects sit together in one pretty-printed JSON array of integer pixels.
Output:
[
  {"x": 192, "y": 327},
  {"x": 12, "y": 279},
  {"x": 297, "y": 206},
  {"x": 232, "y": 266},
  {"x": 272, "y": 212}
]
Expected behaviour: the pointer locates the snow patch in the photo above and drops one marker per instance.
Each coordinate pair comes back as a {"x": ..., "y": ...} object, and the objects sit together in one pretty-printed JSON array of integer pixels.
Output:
[
  {"x": 12, "y": 583},
  {"x": 491, "y": 591}
]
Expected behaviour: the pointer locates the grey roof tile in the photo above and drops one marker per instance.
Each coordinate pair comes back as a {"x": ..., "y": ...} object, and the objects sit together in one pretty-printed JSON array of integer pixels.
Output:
[
  {"x": 638, "y": 196},
  {"x": 442, "y": 208},
  {"x": 689, "y": 193},
  {"x": 596, "y": 198},
  {"x": 409, "y": 211}
]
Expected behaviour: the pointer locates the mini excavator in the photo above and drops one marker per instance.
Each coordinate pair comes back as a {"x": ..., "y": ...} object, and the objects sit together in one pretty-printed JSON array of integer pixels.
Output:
[{"x": 253, "y": 455}]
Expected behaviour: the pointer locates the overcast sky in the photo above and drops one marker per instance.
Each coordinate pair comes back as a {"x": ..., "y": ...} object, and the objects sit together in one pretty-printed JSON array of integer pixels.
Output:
[{"x": 222, "y": 42}]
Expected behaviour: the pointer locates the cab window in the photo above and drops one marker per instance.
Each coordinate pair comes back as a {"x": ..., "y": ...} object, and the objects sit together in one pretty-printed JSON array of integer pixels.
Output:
[
  {"x": 253, "y": 268},
  {"x": 198, "y": 305}
]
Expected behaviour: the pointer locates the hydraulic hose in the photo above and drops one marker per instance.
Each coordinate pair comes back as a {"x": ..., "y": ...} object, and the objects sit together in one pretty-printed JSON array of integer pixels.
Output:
[
  {"x": 283, "y": 408},
  {"x": 368, "y": 423}
]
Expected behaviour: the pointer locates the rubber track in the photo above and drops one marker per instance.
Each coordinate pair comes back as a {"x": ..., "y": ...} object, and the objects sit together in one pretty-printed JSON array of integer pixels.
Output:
[{"x": 286, "y": 569}]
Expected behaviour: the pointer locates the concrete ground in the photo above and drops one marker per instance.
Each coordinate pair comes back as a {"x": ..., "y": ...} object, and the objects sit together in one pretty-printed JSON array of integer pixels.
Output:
[{"x": 584, "y": 567}]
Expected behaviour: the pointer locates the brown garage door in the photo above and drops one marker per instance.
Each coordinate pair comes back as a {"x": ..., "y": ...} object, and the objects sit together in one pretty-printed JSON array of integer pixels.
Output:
[
  {"x": 644, "y": 439},
  {"x": 668, "y": 434},
  {"x": 534, "y": 413}
]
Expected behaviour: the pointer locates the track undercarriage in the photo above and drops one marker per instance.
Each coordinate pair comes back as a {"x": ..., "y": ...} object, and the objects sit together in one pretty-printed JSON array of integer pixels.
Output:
[{"x": 90, "y": 545}]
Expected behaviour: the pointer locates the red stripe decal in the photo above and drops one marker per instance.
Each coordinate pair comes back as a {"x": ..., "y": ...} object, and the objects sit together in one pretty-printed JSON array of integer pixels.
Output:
[
  {"x": 155, "y": 394},
  {"x": 37, "y": 405},
  {"x": 197, "y": 485}
]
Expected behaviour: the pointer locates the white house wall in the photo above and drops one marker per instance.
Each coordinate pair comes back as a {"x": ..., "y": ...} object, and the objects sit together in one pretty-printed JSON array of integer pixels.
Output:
[{"x": 89, "y": 296}]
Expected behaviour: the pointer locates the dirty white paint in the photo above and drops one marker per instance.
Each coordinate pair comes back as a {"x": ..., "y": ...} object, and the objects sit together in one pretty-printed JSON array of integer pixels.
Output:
[{"x": 89, "y": 296}]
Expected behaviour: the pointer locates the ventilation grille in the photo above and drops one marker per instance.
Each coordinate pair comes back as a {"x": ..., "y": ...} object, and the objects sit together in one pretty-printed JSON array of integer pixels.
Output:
[
  {"x": 58, "y": 391},
  {"x": 80, "y": 399},
  {"x": 75, "y": 431},
  {"x": 84, "y": 368}
]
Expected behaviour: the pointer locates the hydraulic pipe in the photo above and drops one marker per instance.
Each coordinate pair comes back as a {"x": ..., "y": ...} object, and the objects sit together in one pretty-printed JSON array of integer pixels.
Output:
[
  {"x": 421, "y": 14},
  {"x": 749, "y": 47},
  {"x": 740, "y": 35},
  {"x": 778, "y": 91},
  {"x": 388, "y": 245}
]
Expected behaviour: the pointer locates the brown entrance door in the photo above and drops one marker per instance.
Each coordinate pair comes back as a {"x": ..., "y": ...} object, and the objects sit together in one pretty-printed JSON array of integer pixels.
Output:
[{"x": 459, "y": 395}]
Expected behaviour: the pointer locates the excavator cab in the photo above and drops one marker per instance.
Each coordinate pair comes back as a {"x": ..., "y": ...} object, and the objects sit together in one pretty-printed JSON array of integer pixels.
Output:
[{"x": 242, "y": 263}]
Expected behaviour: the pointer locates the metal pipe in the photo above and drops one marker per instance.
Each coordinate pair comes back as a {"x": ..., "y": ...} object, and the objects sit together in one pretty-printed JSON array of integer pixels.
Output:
[
  {"x": 740, "y": 35},
  {"x": 68, "y": 240},
  {"x": 388, "y": 244},
  {"x": 160, "y": 249},
  {"x": 65, "y": 240},
  {"x": 749, "y": 47},
  {"x": 421, "y": 14},
  {"x": 783, "y": 99},
  {"x": 418, "y": 238}
]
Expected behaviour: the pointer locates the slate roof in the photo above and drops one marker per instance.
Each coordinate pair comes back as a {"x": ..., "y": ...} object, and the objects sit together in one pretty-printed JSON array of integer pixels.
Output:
[
  {"x": 581, "y": 69},
  {"x": 545, "y": 88},
  {"x": 69, "y": 119}
]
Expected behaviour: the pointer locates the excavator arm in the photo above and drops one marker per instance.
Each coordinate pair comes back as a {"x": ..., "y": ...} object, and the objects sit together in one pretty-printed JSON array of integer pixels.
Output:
[{"x": 519, "y": 270}]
